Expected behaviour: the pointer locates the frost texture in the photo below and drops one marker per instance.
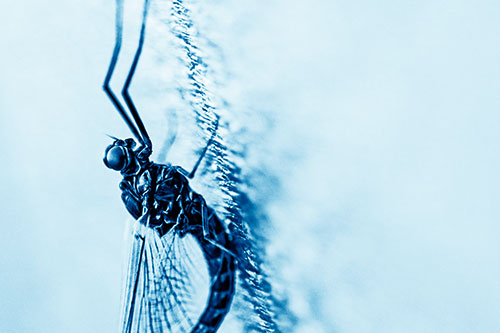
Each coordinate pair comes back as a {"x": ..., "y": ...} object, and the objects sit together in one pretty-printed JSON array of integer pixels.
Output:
[{"x": 226, "y": 178}]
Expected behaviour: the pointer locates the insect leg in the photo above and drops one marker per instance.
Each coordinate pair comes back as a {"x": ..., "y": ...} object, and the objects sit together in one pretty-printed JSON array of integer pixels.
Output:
[
  {"x": 128, "y": 81},
  {"x": 114, "y": 58},
  {"x": 171, "y": 135},
  {"x": 209, "y": 142},
  {"x": 134, "y": 292},
  {"x": 206, "y": 219}
]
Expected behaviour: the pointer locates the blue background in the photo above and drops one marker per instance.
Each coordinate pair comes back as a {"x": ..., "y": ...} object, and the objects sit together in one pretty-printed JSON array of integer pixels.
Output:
[{"x": 385, "y": 143}]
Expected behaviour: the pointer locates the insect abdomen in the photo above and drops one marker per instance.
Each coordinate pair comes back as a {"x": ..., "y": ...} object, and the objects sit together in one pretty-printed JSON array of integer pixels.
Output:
[{"x": 221, "y": 266}]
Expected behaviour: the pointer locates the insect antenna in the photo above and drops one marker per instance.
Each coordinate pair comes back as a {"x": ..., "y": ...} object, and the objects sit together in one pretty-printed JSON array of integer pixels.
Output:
[
  {"x": 114, "y": 58},
  {"x": 128, "y": 81},
  {"x": 112, "y": 137}
]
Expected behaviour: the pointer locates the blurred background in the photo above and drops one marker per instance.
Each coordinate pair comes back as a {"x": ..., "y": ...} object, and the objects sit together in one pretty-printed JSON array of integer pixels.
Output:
[{"x": 383, "y": 126}]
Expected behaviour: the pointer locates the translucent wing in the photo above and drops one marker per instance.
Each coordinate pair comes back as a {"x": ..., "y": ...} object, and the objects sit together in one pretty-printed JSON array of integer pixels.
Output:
[{"x": 167, "y": 282}]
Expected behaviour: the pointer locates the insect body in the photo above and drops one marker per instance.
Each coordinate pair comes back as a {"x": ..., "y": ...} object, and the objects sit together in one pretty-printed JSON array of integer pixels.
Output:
[{"x": 159, "y": 197}]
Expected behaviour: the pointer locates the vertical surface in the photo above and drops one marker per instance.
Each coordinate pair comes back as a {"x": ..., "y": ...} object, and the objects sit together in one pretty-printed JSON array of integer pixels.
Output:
[{"x": 378, "y": 123}]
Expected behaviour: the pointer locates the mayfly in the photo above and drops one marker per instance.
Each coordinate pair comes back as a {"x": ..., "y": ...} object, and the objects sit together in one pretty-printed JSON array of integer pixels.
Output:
[{"x": 160, "y": 198}]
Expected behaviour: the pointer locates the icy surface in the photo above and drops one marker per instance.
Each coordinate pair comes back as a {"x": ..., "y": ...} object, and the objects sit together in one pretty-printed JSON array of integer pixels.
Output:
[{"x": 372, "y": 128}]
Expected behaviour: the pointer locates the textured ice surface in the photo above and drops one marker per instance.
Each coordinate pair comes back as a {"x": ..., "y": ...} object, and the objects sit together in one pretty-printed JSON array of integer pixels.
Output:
[{"x": 379, "y": 122}]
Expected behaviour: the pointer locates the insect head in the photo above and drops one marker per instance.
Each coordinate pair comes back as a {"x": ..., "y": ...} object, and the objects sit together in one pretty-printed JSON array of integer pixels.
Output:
[{"x": 120, "y": 155}]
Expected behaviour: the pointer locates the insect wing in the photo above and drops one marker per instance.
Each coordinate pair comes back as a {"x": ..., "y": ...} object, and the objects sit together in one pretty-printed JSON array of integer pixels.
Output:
[{"x": 167, "y": 282}]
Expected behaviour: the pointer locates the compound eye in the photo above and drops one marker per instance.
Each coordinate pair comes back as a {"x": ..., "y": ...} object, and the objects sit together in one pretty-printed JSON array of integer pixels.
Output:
[{"x": 116, "y": 158}]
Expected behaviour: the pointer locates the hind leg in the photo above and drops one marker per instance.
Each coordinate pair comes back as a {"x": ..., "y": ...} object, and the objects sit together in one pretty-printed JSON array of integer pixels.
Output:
[{"x": 213, "y": 231}]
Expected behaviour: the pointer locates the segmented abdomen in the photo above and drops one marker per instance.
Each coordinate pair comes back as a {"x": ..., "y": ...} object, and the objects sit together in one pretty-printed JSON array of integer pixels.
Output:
[{"x": 221, "y": 266}]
